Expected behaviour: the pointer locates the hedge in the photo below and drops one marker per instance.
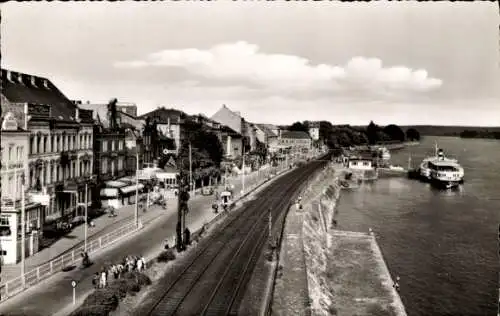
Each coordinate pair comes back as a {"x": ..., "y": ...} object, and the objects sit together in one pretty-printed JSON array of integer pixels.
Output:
[
  {"x": 103, "y": 301},
  {"x": 166, "y": 256}
]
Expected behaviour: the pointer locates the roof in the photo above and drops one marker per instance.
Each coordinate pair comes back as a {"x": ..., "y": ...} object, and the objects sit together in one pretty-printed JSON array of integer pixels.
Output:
[
  {"x": 267, "y": 129},
  {"x": 295, "y": 134},
  {"x": 100, "y": 112},
  {"x": 17, "y": 111},
  {"x": 230, "y": 131},
  {"x": 163, "y": 114},
  {"x": 24, "y": 88}
]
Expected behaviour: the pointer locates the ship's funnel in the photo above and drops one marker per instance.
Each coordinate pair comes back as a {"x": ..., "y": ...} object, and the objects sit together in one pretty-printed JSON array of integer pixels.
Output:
[{"x": 440, "y": 154}]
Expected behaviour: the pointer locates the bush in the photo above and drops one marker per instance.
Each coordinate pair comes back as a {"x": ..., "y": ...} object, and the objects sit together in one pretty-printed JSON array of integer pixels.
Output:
[
  {"x": 90, "y": 311},
  {"x": 102, "y": 301},
  {"x": 166, "y": 256},
  {"x": 138, "y": 277}
]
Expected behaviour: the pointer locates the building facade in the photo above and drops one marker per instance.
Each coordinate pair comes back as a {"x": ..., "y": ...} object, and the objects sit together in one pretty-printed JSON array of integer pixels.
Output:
[
  {"x": 297, "y": 141},
  {"x": 236, "y": 122},
  {"x": 314, "y": 130},
  {"x": 163, "y": 132},
  {"x": 231, "y": 141},
  {"x": 127, "y": 108},
  {"x": 60, "y": 144},
  {"x": 14, "y": 148},
  {"x": 266, "y": 135}
]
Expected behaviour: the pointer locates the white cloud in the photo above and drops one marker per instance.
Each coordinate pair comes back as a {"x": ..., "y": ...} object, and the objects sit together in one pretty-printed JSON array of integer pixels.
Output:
[{"x": 244, "y": 62}]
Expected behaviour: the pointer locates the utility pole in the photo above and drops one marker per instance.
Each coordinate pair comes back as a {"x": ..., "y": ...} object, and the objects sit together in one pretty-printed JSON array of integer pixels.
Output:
[
  {"x": 191, "y": 186},
  {"x": 137, "y": 190},
  {"x": 23, "y": 233},
  {"x": 270, "y": 226},
  {"x": 243, "y": 175},
  {"x": 86, "y": 214}
]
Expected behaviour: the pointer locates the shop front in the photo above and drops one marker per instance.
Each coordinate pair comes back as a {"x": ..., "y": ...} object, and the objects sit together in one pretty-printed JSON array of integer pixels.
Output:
[{"x": 10, "y": 231}]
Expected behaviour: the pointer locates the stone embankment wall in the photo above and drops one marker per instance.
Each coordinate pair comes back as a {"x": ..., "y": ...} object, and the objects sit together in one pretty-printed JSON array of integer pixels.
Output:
[{"x": 327, "y": 264}]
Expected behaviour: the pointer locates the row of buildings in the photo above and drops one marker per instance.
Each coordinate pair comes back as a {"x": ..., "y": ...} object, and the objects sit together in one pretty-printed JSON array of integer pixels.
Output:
[{"x": 56, "y": 149}]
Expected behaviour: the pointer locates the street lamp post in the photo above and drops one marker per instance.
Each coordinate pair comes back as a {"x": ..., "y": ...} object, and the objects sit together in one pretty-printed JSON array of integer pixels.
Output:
[
  {"x": 191, "y": 186},
  {"x": 86, "y": 213},
  {"x": 23, "y": 233},
  {"x": 137, "y": 189}
]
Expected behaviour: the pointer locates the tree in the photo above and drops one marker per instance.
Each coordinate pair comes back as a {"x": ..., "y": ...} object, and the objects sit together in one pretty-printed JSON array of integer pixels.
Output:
[
  {"x": 372, "y": 133},
  {"x": 298, "y": 126},
  {"x": 412, "y": 134},
  {"x": 394, "y": 132}
]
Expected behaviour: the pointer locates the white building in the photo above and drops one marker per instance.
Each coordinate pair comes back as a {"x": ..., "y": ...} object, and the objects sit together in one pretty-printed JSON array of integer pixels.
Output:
[
  {"x": 14, "y": 148},
  {"x": 360, "y": 163},
  {"x": 314, "y": 130}
]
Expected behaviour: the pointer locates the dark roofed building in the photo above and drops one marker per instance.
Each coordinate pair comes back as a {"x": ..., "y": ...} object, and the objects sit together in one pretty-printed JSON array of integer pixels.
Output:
[
  {"x": 60, "y": 151},
  {"x": 23, "y": 88}
]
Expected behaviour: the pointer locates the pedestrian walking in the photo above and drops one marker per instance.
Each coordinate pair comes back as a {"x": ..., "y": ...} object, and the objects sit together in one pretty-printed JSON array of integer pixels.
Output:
[
  {"x": 95, "y": 280},
  {"x": 103, "y": 278},
  {"x": 139, "y": 265},
  {"x": 143, "y": 262},
  {"x": 115, "y": 271}
]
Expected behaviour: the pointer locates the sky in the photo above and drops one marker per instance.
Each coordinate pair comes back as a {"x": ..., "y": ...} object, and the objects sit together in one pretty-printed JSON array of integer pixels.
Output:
[{"x": 275, "y": 62}]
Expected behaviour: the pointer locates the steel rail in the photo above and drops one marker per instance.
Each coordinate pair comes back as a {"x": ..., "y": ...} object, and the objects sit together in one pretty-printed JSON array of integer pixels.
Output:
[
  {"x": 222, "y": 299},
  {"x": 210, "y": 244}
]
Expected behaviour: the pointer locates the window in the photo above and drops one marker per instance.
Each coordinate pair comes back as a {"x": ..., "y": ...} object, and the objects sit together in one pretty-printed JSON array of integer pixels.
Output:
[
  {"x": 10, "y": 153},
  {"x": 366, "y": 163},
  {"x": 104, "y": 146},
  {"x": 39, "y": 144},
  {"x": 74, "y": 142},
  {"x": 51, "y": 178},
  {"x": 52, "y": 143},
  {"x": 32, "y": 145},
  {"x": 4, "y": 228},
  {"x": 45, "y": 138},
  {"x": 104, "y": 166},
  {"x": 81, "y": 142}
]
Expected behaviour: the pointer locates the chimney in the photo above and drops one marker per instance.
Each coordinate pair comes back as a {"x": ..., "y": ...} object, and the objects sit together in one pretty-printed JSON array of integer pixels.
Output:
[
  {"x": 20, "y": 78},
  {"x": 46, "y": 83},
  {"x": 279, "y": 133},
  {"x": 77, "y": 114},
  {"x": 168, "y": 124},
  {"x": 26, "y": 116},
  {"x": 9, "y": 75},
  {"x": 33, "y": 81},
  {"x": 229, "y": 152}
]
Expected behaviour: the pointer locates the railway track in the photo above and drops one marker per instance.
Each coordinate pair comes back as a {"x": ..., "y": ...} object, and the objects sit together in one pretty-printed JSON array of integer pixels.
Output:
[{"x": 214, "y": 279}]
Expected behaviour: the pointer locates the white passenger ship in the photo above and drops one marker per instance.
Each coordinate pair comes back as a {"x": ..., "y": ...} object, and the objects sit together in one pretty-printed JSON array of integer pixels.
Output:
[{"x": 442, "y": 171}]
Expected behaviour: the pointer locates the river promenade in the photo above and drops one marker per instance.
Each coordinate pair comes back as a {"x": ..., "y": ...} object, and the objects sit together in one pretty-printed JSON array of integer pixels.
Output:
[{"x": 325, "y": 271}]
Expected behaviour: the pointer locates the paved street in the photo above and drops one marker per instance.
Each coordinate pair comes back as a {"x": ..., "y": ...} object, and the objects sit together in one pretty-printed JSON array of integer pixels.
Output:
[{"x": 54, "y": 294}]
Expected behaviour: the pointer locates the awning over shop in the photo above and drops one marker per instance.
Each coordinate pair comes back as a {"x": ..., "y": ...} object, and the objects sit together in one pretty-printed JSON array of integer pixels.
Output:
[
  {"x": 109, "y": 192},
  {"x": 166, "y": 175},
  {"x": 115, "y": 184},
  {"x": 127, "y": 179},
  {"x": 131, "y": 188}
]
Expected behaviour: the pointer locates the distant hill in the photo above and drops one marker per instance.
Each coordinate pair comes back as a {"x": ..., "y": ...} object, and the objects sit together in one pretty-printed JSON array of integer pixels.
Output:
[
  {"x": 445, "y": 130},
  {"x": 434, "y": 130}
]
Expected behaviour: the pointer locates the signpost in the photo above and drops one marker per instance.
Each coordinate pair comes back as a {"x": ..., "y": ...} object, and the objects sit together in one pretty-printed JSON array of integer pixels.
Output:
[{"x": 73, "y": 285}]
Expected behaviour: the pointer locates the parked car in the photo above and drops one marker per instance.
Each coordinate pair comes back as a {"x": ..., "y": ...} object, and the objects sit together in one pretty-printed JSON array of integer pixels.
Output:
[
  {"x": 77, "y": 220},
  {"x": 207, "y": 191}
]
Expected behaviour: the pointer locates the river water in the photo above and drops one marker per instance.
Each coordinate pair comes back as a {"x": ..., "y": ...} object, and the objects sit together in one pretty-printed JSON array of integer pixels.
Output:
[{"x": 443, "y": 244}]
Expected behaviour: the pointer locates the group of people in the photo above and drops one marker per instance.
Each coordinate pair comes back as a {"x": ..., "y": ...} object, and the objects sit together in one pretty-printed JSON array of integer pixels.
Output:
[{"x": 129, "y": 263}]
